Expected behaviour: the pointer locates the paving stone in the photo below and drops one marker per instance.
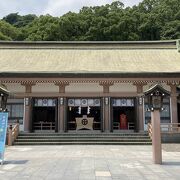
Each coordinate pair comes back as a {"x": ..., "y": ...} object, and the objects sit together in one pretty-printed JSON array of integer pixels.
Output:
[
  {"x": 87, "y": 177},
  {"x": 88, "y": 162},
  {"x": 103, "y": 173},
  {"x": 103, "y": 178}
]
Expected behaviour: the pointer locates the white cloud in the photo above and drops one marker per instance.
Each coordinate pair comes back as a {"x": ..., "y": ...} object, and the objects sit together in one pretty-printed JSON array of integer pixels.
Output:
[
  {"x": 22, "y": 6},
  {"x": 60, "y": 7},
  {"x": 53, "y": 7},
  {"x": 131, "y": 2}
]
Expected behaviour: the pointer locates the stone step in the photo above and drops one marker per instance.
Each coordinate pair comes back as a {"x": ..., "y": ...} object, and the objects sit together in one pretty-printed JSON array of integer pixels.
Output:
[
  {"x": 83, "y": 140},
  {"x": 83, "y": 134},
  {"x": 82, "y": 143},
  {"x": 67, "y": 137}
]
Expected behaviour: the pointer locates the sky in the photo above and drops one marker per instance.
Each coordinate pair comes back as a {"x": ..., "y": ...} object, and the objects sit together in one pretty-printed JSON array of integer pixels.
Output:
[{"x": 52, "y": 7}]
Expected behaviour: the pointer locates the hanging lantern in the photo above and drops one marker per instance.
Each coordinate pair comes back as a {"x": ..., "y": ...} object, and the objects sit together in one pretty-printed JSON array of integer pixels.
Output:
[
  {"x": 4, "y": 93},
  {"x": 155, "y": 96}
]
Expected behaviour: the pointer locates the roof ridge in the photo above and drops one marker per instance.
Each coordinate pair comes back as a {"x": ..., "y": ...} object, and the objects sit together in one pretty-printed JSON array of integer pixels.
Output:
[
  {"x": 89, "y": 42},
  {"x": 167, "y": 44}
]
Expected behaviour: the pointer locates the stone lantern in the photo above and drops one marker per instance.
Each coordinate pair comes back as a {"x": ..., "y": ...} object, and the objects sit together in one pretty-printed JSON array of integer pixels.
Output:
[
  {"x": 155, "y": 97},
  {"x": 4, "y": 93}
]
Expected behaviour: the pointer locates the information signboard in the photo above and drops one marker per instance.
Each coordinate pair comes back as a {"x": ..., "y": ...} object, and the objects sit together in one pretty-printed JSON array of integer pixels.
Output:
[{"x": 3, "y": 130}]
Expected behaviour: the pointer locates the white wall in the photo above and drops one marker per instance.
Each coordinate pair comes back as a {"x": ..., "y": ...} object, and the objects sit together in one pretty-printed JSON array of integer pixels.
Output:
[
  {"x": 45, "y": 87},
  {"x": 80, "y": 87},
  {"x": 15, "y": 87},
  {"x": 84, "y": 87},
  {"x": 123, "y": 87},
  {"x": 15, "y": 101}
]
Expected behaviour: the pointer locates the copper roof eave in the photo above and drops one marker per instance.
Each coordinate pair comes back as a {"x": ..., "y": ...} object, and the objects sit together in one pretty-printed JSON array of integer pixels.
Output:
[
  {"x": 3, "y": 89},
  {"x": 90, "y": 75},
  {"x": 156, "y": 87},
  {"x": 89, "y": 42},
  {"x": 168, "y": 44}
]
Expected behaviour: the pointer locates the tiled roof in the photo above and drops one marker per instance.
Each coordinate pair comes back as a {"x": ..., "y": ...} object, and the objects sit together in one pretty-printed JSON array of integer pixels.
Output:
[{"x": 92, "y": 57}]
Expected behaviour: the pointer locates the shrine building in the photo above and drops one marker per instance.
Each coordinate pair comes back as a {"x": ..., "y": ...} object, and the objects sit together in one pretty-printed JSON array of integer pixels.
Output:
[{"x": 89, "y": 86}]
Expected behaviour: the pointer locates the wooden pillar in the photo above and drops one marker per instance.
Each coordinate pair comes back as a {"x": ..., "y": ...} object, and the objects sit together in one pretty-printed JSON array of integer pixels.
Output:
[
  {"x": 106, "y": 105},
  {"x": 27, "y": 115},
  {"x": 140, "y": 104},
  {"x": 28, "y": 106},
  {"x": 10, "y": 137},
  {"x": 173, "y": 100},
  {"x": 106, "y": 114},
  {"x": 65, "y": 115},
  {"x": 102, "y": 114},
  {"x": 156, "y": 137},
  {"x": 61, "y": 106},
  {"x": 28, "y": 86},
  {"x": 62, "y": 86},
  {"x": 61, "y": 111}
]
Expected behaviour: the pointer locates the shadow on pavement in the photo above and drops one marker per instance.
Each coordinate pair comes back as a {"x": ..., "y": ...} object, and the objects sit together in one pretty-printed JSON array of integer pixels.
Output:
[
  {"x": 16, "y": 162},
  {"x": 171, "y": 163}
]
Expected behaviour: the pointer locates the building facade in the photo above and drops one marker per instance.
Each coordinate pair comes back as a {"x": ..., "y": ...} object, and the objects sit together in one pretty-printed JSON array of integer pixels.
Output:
[{"x": 93, "y": 86}]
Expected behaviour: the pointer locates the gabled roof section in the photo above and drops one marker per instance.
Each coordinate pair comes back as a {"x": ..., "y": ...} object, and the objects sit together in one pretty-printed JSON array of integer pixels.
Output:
[
  {"x": 158, "y": 58},
  {"x": 3, "y": 89},
  {"x": 157, "y": 87}
]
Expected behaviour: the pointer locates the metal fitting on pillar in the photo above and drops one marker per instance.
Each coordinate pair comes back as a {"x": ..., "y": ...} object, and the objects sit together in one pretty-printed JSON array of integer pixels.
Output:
[
  {"x": 140, "y": 100},
  {"x": 61, "y": 101},
  {"x": 106, "y": 101},
  {"x": 27, "y": 101}
]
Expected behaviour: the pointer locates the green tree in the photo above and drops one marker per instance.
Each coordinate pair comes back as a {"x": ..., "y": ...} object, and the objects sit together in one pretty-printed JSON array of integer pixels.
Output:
[
  {"x": 149, "y": 20},
  {"x": 4, "y": 37},
  {"x": 41, "y": 29},
  {"x": 19, "y": 21},
  {"x": 171, "y": 30},
  {"x": 9, "y": 32}
]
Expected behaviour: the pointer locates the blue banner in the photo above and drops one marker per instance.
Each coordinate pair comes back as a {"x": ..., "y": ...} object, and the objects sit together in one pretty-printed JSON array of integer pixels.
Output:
[{"x": 3, "y": 131}]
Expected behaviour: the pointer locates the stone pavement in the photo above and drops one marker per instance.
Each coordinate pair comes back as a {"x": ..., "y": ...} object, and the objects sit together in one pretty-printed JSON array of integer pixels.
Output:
[{"x": 93, "y": 162}]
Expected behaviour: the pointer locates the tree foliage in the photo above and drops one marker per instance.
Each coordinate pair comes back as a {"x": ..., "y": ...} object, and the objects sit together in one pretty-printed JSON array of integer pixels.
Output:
[
  {"x": 149, "y": 20},
  {"x": 9, "y": 32},
  {"x": 19, "y": 21}
]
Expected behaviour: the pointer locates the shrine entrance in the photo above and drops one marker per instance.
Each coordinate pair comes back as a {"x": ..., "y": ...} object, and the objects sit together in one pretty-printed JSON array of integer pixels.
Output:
[
  {"x": 84, "y": 114},
  {"x": 178, "y": 109},
  {"x": 44, "y": 115},
  {"x": 123, "y": 114}
]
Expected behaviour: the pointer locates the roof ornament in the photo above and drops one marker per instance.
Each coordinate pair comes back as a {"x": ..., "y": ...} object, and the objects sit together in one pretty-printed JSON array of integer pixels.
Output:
[
  {"x": 3, "y": 88},
  {"x": 155, "y": 83}
]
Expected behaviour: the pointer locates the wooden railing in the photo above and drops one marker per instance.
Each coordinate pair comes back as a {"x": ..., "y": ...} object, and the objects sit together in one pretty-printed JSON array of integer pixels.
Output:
[
  {"x": 44, "y": 126},
  {"x": 131, "y": 126},
  {"x": 149, "y": 128},
  {"x": 12, "y": 133},
  {"x": 170, "y": 127},
  {"x": 165, "y": 128}
]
